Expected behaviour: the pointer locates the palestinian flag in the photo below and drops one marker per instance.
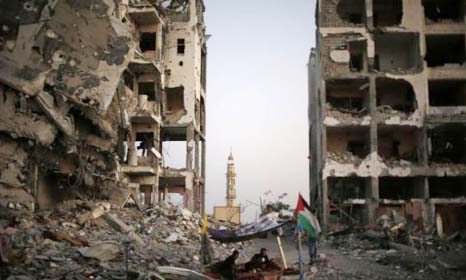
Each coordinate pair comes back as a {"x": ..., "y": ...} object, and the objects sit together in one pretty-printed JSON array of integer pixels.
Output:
[{"x": 305, "y": 217}]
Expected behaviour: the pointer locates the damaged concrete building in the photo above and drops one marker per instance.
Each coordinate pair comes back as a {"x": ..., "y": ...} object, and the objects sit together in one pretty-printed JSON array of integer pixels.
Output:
[
  {"x": 387, "y": 91},
  {"x": 91, "y": 92}
]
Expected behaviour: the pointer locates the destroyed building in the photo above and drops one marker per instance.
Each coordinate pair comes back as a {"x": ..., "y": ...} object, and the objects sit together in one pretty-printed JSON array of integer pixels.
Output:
[
  {"x": 387, "y": 92},
  {"x": 91, "y": 92}
]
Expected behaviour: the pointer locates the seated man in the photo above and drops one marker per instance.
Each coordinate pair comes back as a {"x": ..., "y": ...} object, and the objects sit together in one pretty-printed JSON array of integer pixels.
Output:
[
  {"x": 260, "y": 262},
  {"x": 227, "y": 267}
]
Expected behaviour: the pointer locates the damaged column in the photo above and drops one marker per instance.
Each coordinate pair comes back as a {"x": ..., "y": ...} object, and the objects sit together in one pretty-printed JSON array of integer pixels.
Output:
[{"x": 184, "y": 103}]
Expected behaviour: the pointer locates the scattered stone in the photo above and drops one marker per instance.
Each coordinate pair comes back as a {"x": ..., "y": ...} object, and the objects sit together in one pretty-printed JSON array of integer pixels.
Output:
[
  {"x": 104, "y": 251},
  {"x": 53, "y": 242}
]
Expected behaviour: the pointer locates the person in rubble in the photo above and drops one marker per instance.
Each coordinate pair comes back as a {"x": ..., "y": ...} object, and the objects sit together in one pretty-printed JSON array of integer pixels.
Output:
[
  {"x": 261, "y": 262},
  {"x": 226, "y": 268},
  {"x": 311, "y": 242}
]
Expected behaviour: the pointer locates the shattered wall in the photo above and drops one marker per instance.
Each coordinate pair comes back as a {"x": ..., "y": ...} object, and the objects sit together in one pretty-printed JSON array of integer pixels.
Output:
[
  {"x": 185, "y": 67},
  {"x": 60, "y": 66},
  {"x": 185, "y": 89}
]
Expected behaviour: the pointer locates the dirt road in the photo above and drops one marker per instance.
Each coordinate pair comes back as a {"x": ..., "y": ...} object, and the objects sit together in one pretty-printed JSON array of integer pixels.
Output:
[{"x": 356, "y": 263}]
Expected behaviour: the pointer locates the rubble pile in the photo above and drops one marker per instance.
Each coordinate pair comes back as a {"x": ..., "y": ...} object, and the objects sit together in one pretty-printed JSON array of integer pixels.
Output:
[
  {"x": 435, "y": 260},
  {"x": 348, "y": 116},
  {"x": 394, "y": 162},
  {"x": 404, "y": 249},
  {"x": 345, "y": 112},
  {"x": 87, "y": 240},
  {"x": 386, "y": 112},
  {"x": 345, "y": 157}
]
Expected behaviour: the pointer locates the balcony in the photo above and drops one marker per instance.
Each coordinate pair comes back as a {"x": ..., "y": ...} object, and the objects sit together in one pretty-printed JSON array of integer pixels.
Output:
[
  {"x": 143, "y": 164},
  {"x": 143, "y": 13}
]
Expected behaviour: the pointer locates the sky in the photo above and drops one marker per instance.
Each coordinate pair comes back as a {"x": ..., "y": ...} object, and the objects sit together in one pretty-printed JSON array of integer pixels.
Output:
[{"x": 257, "y": 99}]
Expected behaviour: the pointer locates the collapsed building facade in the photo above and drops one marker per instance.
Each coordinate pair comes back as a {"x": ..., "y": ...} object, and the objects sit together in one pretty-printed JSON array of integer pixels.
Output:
[
  {"x": 387, "y": 91},
  {"x": 91, "y": 92}
]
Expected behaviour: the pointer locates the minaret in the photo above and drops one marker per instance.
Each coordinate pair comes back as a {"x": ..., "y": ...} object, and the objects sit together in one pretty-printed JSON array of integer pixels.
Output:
[{"x": 231, "y": 178}]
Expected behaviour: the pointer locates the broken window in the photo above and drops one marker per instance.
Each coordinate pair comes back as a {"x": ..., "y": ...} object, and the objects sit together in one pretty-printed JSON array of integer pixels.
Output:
[
  {"x": 447, "y": 93},
  {"x": 348, "y": 95},
  {"x": 203, "y": 68},
  {"x": 175, "y": 100},
  {"x": 174, "y": 147},
  {"x": 447, "y": 187},
  {"x": 202, "y": 155},
  {"x": 445, "y": 49},
  {"x": 53, "y": 189},
  {"x": 387, "y": 12},
  {"x": 400, "y": 188},
  {"x": 129, "y": 80},
  {"x": 83, "y": 124},
  {"x": 174, "y": 154},
  {"x": 438, "y": 10},
  {"x": 341, "y": 193},
  {"x": 396, "y": 52},
  {"x": 353, "y": 11},
  {"x": 343, "y": 188},
  {"x": 447, "y": 144},
  {"x": 357, "y": 51},
  {"x": 180, "y": 46},
  {"x": 395, "y": 94},
  {"x": 144, "y": 142},
  {"x": 197, "y": 113},
  {"x": 398, "y": 143},
  {"x": 202, "y": 115},
  {"x": 147, "y": 41},
  {"x": 146, "y": 194},
  {"x": 147, "y": 88},
  {"x": 453, "y": 217},
  {"x": 345, "y": 143}
]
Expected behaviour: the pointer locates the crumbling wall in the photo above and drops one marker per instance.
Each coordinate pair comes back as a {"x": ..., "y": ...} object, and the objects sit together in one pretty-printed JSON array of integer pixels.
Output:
[
  {"x": 398, "y": 144},
  {"x": 347, "y": 143},
  {"x": 335, "y": 53},
  {"x": 342, "y": 13},
  {"x": 183, "y": 64},
  {"x": 62, "y": 99}
]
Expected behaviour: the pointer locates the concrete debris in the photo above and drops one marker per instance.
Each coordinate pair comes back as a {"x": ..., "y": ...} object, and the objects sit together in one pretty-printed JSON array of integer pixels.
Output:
[
  {"x": 344, "y": 157},
  {"x": 120, "y": 226},
  {"x": 47, "y": 244},
  {"x": 387, "y": 111},
  {"x": 187, "y": 215},
  {"x": 95, "y": 213},
  {"x": 104, "y": 251},
  {"x": 438, "y": 259}
]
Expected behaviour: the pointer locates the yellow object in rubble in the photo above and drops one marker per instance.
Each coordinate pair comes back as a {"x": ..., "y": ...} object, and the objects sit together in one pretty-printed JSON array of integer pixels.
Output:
[{"x": 204, "y": 225}]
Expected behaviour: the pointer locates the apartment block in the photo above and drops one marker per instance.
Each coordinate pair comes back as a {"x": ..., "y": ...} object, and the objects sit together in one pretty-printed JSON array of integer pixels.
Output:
[
  {"x": 387, "y": 91},
  {"x": 168, "y": 76}
]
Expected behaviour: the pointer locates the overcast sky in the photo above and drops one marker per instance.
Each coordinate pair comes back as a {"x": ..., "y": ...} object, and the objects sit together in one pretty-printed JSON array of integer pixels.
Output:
[{"x": 257, "y": 97}]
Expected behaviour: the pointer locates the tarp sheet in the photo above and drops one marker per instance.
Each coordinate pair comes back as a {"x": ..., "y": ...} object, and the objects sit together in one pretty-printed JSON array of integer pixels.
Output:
[{"x": 250, "y": 231}]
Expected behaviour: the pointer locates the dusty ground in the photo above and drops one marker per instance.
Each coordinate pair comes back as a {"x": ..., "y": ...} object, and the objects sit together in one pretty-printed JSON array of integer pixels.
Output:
[{"x": 351, "y": 262}]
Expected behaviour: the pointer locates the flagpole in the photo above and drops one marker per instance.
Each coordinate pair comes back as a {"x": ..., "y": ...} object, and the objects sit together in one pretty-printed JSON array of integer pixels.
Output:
[
  {"x": 281, "y": 251},
  {"x": 301, "y": 264}
]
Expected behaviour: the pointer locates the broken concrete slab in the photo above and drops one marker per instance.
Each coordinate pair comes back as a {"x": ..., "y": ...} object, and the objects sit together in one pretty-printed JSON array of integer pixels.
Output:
[
  {"x": 103, "y": 251},
  {"x": 99, "y": 210},
  {"x": 118, "y": 225}
]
